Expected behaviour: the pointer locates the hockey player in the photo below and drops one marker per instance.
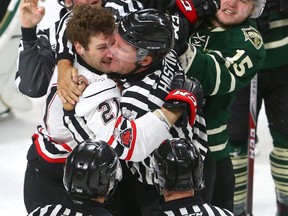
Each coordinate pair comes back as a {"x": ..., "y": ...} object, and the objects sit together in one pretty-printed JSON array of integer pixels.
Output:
[
  {"x": 65, "y": 55},
  {"x": 39, "y": 48},
  {"x": 273, "y": 89},
  {"x": 91, "y": 174},
  {"x": 177, "y": 170},
  {"x": 53, "y": 142},
  {"x": 224, "y": 53}
]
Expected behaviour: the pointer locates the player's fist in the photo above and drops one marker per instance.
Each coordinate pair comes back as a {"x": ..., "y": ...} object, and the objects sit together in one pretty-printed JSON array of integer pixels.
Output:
[{"x": 81, "y": 85}]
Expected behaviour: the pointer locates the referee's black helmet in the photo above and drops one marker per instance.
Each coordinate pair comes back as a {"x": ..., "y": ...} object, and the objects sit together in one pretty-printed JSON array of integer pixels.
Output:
[
  {"x": 177, "y": 166},
  {"x": 148, "y": 29},
  {"x": 92, "y": 170}
]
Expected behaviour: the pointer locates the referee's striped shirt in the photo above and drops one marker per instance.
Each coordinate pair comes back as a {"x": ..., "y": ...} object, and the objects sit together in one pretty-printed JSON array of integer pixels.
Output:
[
  {"x": 192, "y": 206},
  {"x": 146, "y": 91},
  {"x": 91, "y": 208}
]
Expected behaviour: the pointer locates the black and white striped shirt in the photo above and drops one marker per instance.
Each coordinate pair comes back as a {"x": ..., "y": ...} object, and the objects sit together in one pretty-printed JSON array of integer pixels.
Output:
[
  {"x": 91, "y": 208},
  {"x": 146, "y": 91},
  {"x": 192, "y": 206}
]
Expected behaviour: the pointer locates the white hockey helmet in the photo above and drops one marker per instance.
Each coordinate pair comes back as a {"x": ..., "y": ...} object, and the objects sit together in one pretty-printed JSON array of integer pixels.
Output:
[{"x": 258, "y": 8}]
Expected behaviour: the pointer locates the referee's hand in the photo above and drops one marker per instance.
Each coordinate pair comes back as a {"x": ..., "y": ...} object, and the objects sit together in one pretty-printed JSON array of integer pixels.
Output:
[
  {"x": 81, "y": 85},
  {"x": 30, "y": 13},
  {"x": 67, "y": 83}
]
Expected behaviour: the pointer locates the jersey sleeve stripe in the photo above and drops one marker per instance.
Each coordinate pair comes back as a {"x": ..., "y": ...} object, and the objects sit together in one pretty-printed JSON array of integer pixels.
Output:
[{"x": 41, "y": 153}]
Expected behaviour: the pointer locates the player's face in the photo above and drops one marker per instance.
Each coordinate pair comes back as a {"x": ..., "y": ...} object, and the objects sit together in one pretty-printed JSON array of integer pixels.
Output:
[
  {"x": 123, "y": 56},
  {"x": 233, "y": 12},
  {"x": 97, "y": 53}
]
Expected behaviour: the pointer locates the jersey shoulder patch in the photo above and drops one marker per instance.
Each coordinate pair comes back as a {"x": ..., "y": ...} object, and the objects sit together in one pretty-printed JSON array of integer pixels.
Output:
[
  {"x": 252, "y": 35},
  {"x": 96, "y": 92}
]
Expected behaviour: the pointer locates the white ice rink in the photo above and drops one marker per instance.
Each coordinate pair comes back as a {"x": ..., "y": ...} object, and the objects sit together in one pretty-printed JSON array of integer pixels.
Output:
[{"x": 15, "y": 139}]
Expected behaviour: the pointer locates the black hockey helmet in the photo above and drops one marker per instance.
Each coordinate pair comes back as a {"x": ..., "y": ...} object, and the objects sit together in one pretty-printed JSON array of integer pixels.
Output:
[
  {"x": 177, "y": 166},
  {"x": 92, "y": 170},
  {"x": 149, "y": 30}
]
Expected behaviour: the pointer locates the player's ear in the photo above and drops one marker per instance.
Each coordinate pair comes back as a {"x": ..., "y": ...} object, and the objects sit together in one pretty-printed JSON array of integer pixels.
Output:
[
  {"x": 69, "y": 3},
  {"x": 146, "y": 61},
  {"x": 79, "y": 48}
]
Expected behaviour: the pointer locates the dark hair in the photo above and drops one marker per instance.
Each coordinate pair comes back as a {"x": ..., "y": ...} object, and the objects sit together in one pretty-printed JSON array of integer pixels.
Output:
[{"x": 88, "y": 20}]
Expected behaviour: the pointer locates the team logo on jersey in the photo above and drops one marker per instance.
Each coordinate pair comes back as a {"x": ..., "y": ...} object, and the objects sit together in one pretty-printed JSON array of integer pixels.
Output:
[
  {"x": 253, "y": 36},
  {"x": 128, "y": 114},
  {"x": 126, "y": 138}
]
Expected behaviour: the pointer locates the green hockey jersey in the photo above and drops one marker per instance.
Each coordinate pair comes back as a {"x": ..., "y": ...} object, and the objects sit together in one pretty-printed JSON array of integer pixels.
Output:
[
  {"x": 276, "y": 41},
  {"x": 223, "y": 60}
]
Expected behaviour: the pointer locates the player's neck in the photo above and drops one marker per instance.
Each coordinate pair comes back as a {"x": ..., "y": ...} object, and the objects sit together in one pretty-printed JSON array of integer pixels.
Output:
[{"x": 173, "y": 195}]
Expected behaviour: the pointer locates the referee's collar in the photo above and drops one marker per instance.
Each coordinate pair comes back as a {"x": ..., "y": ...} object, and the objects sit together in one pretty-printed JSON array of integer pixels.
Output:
[
  {"x": 180, "y": 203},
  {"x": 89, "y": 206}
]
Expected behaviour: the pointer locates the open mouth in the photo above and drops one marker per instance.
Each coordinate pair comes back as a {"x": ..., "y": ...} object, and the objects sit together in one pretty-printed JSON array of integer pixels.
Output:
[
  {"x": 106, "y": 61},
  {"x": 227, "y": 11}
]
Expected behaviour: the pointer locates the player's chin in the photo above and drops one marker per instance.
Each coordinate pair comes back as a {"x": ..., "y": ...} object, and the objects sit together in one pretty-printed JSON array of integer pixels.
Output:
[
  {"x": 106, "y": 67},
  {"x": 114, "y": 66}
]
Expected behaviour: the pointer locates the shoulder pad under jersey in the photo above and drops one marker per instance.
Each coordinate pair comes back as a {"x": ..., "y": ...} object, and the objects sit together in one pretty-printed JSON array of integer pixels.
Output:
[{"x": 97, "y": 92}]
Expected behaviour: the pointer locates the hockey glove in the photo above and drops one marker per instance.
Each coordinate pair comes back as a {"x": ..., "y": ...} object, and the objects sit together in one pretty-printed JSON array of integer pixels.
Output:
[
  {"x": 195, "y": 10},
  {"x": 181, "y": 30},
  {"x": 186, "y": 93}
]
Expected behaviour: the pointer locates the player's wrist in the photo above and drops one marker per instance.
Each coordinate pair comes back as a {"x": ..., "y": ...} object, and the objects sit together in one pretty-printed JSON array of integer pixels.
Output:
[{"x": 160, "y": 114}]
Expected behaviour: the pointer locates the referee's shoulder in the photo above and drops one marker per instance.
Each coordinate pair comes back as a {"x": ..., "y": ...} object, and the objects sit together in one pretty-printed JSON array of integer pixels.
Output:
[{"x": 47, "y": 210}]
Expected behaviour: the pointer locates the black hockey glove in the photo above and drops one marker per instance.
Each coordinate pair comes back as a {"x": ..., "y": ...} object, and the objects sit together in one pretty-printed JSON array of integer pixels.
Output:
[
  {"x": 195, "y": 10},
  {"x": 186, "y": 93},
  {"x": 181, "y": 30},
  {"x": 161, "y": 5}
]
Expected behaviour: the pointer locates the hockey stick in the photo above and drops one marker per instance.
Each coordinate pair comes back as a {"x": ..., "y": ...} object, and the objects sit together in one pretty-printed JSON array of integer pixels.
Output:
[{"x": 251, "y": 142}]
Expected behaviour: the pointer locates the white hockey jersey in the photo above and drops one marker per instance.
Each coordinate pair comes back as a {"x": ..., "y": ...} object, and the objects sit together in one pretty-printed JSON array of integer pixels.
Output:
[{"x": 97, "y": 117}]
